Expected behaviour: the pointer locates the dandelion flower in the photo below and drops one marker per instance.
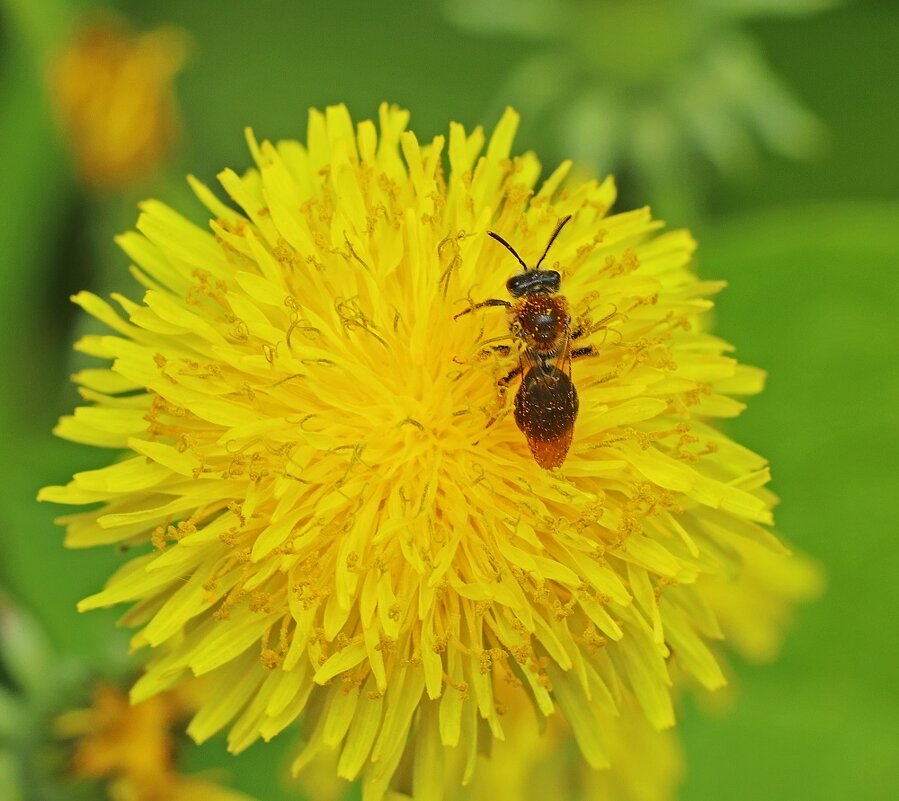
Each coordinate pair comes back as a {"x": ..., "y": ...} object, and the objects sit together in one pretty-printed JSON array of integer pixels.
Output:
[
  {"x": 755, "y": 606},
  {"x": 533, "y": 765},
  {"x": 130, "y": 749},
  {"x": 113, "y": 94},
  {"x": 644, "y": 764},
  {"x": 313, "y": 509},
  {"x": 133, "y": 750}
]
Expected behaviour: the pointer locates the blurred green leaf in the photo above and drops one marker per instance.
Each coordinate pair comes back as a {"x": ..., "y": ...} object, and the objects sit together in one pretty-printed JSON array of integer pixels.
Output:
[
  {"x": 24, "y": 650},
  {"x": 10, "y": 786},
  {"x": 35, "y": 191},
  {"x": 10, "y": 716}
]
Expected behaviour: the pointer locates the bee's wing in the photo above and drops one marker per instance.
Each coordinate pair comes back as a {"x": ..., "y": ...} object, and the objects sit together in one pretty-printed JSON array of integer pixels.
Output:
[
  {"x": 529, "y": 359},
  {"x": 563, "y": 355},
  {"x": 545, "y": 408}
]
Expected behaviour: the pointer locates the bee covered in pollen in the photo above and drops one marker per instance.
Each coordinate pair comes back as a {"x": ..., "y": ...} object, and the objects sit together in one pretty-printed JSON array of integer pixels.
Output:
[{"x": 546, "y": 403}]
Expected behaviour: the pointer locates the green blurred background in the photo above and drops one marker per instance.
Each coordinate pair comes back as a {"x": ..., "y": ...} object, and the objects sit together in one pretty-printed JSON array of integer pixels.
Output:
[{"x": 810, "y": 249}]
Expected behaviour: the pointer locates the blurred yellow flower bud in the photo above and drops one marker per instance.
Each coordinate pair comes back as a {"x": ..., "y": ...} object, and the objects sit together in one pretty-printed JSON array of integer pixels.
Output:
[{"x": 113, "y": 93}]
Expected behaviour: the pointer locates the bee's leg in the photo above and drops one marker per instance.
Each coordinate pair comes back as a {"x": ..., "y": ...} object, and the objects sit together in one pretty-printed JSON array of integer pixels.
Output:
[
  {"x": 503, "y": 385},
  {"x": 579, "y": 353},
  {"x": 585, "y": 327},
  {"x": 502, "y": 350},
  {"x": 483, "y": 353},
  {"x": 482, "y": 304}
]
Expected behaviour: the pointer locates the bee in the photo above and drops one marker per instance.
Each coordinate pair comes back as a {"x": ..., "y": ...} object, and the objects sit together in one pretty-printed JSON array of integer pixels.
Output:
[{"x": 546, "y": 403}]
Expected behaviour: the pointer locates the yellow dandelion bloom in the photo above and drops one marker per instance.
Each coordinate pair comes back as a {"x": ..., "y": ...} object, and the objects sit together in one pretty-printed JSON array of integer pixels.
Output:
[
  {"x": 113, "y": 94},
  {"x": 341, "y": 521},
  {"x": 534, "y": 765},
  {"x": 755, "y": 606},
  {"x": 643, "y": 764},
  {"x": 132, "y": 749}
]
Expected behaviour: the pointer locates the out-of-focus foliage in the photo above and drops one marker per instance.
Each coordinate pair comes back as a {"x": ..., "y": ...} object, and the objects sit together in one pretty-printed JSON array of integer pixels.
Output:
[
  {"x": 669, "y": 93},
  {"x": 808, "y": 247},
  {"x": 69, "y": 733},
  {"x": 36, "y": 684},
  {"x": 811, "y": 296}
]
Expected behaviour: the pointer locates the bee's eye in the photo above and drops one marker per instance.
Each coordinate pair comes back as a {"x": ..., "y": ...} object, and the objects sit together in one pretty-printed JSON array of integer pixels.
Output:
[{"x": 517, "y": 285}]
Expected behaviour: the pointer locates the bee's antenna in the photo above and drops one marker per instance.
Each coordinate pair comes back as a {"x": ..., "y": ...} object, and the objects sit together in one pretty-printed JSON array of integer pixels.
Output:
[
  {"x": 508, "y": 247},
  {"x": 552, "y": 239}
]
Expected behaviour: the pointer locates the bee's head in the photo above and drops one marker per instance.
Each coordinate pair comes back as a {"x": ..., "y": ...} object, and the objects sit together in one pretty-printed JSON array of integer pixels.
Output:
[{"x": 534, "y": 282}]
